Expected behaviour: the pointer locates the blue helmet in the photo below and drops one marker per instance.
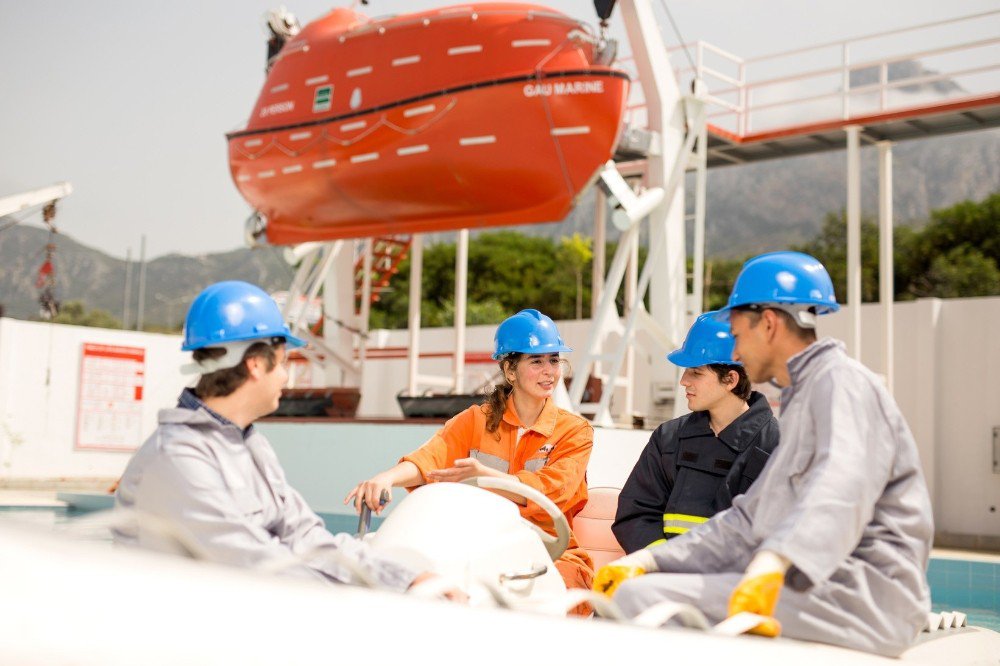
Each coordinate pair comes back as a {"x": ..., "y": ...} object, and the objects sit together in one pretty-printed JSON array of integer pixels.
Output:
[
  {"x": 233, "y": 311},
  {"x": 783, "y": 279},
  {"x": 708, "y": 342},
  {"x": 527, "y": 332}
]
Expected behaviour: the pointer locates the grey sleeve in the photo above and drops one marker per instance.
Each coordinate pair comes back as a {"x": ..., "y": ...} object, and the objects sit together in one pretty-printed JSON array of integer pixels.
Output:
[
  {"x": 185, "y": 489},
  {"x": 721, "y": 544},
  {"x": 308, "y": 537},
  {"x": 842, "y": 480}
]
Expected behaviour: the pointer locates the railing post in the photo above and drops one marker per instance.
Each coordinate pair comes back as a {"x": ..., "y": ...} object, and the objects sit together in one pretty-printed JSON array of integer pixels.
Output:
[
  {"x": 846, "y": 81},
  {"x": 742, "y": 127},
  {"x": 883, "y": 93}
]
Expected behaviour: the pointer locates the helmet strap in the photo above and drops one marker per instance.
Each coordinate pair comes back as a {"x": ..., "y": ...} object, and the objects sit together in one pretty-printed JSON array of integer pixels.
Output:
[
  {"x": 804, "y": 315},
  {"x": 232, "y": 358}
]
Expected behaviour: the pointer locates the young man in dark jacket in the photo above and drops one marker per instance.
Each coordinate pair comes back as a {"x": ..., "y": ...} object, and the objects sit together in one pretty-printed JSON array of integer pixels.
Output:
[{"x": 694, "y": 465}]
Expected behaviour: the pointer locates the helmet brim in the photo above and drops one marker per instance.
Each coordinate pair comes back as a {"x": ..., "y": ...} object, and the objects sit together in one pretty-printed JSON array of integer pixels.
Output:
[
  {"x": 292, "y": 342},
  {"x": 683, "y": 359},
  {"x": 546, "y": 349}
]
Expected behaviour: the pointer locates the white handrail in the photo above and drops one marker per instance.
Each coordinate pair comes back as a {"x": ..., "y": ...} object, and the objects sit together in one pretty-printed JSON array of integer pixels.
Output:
[
  {"x": 839, "y": 75},
  {"x": 868, "y": 37}
]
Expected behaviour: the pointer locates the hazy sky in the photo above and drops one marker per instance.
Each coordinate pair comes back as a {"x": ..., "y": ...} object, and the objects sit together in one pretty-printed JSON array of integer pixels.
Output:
[{"x": 130, "y": 99}]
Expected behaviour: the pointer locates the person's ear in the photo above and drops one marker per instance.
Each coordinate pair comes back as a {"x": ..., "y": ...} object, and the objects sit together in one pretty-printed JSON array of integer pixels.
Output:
[
  {"x": 732, "y": 379},
  {"x": 254, "y": 367},
  {"x": 771, "y": 320}
]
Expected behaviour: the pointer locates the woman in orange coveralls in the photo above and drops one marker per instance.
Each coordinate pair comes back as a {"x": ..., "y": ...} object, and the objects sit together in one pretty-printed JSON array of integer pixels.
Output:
[{"x": 517, "y": 433}]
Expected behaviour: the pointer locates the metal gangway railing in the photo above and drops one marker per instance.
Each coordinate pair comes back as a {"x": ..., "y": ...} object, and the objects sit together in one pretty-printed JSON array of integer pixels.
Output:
[{"x": 881, "y": 72}]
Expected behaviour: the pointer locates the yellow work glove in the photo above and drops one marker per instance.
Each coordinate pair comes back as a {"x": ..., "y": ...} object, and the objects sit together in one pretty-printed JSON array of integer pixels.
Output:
[
  {"x": 610, "y": 576},
  {"x": 613, "y": 574},
  {"x": 759, "y": 590}
]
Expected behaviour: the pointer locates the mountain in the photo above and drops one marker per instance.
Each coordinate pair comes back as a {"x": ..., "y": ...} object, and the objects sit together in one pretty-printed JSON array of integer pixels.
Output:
[
  {"x": 89, "y": 275},
  {"x": 751, "y": 208},
  {"x": 770, "y": 205}
]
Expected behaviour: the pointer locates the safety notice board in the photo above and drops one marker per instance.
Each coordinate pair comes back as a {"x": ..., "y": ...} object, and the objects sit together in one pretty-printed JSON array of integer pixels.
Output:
[{"x": 110, "y": 404}]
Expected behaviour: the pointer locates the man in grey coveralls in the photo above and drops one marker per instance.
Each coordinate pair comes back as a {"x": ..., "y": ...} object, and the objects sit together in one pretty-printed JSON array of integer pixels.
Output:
[
  {"x": 208, "y": 484},
  {"x": 840, "y": 516}
]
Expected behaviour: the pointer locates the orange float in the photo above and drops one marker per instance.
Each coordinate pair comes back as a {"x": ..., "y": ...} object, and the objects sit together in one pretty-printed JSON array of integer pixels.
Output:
[{"x": 465, "y": 117}]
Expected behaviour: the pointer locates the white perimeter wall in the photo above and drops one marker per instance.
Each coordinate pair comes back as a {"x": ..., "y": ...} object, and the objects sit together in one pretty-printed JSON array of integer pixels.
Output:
[
  {"x": 947, "y": 364},
  {"x": 39, "y": 389}
]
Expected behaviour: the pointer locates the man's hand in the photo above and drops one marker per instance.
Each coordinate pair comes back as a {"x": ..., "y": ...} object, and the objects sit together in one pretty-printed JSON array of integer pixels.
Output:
[
  {"x": 610, "y": 576},
  {"x": 759, "y": 590},
  {"x": 370, "y": 492},
  {"x": 613, "y": 574}
]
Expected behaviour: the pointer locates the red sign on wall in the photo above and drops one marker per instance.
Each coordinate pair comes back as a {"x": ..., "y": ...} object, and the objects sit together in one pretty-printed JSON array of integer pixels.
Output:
[{"x": 112, "y": 378}]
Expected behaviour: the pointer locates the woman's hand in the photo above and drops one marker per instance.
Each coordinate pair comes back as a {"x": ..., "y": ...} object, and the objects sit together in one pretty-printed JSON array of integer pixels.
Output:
[
  {"x": 370, "y": 491},
  {"x": 465, "y": 468},
  {"x": 449, "y": 592}
]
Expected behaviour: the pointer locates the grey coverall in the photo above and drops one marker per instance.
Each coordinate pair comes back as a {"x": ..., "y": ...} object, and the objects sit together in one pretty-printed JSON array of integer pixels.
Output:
[
  {"x": 843, "y": 499},
  {"x": 225, "y": 491}
]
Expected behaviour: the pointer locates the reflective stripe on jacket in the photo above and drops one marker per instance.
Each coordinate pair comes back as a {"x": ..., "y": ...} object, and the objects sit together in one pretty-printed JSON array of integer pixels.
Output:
[
  {"x": 551, "y": 457},
  {"x": 686, "y": 474}
]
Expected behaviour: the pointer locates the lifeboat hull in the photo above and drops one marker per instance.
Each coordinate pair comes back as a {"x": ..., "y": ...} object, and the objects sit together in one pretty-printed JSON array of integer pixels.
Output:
[{"x": 477, "y": 116}]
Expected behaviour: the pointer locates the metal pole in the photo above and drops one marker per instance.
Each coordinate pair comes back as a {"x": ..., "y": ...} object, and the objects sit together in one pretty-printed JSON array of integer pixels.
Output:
[
  {"x": 854, "y": 237},
  {"x": 142, "y": 284},
  {"x": 600, "y": 250},
  {"x": 885, "y": 262},
  {"x": 701, "y": 178},
  {"x": 461, "y": 302},
  {"x": 127, "y": 298},
  {"x": 366, "y": 308},
  {"x": 631, "y": 280},
  {"x": 416, "y": 275}
]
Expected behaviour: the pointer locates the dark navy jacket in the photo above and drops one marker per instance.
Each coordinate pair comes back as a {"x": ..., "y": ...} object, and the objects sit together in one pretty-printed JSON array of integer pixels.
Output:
[{"x": 686, "y": 474}]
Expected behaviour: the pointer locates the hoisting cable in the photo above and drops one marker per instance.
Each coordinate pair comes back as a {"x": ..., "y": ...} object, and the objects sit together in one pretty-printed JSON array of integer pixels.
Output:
[
  {"x": 680, "y": 39},
  {"x": 12, "y": 220}
]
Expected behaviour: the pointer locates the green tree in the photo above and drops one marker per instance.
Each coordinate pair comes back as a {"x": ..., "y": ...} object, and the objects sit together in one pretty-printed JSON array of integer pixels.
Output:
[
  {"x": 956, "y": 254},
  {"x": 962, "y": 272},
  {"x": 74, "y": 312},
  {"x": 830, "y": 247},
  {"x": 720, "y": 275},
  {"x": 508, "y": 271},
  {"x": 576, "y": 255}
]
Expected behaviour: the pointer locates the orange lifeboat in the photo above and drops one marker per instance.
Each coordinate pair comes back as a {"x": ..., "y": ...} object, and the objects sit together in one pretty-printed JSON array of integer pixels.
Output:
[{"x": 473, "y": 116}]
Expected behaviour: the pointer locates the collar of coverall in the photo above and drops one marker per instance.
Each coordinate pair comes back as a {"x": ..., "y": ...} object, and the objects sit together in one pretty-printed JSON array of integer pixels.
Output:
[{"x": 545, "y": 424}]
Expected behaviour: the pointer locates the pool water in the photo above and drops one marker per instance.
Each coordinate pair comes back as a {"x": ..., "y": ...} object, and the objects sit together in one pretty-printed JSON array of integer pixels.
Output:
[{"x": 970, "y": 586}]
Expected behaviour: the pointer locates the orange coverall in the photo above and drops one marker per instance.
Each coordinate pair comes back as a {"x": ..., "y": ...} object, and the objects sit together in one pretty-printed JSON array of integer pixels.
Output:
[{"x": 551, "y": 457}]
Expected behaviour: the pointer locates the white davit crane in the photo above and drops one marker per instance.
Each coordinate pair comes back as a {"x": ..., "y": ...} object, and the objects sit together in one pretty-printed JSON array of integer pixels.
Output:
[
  {"x": 47, "y": 197},
  {"x": 18, "y": 202}
]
